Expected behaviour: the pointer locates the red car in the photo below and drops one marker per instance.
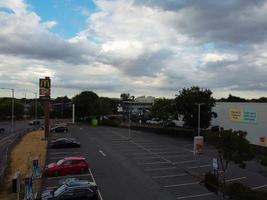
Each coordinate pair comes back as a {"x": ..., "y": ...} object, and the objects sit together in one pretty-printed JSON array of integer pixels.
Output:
[{"x": 68, "y": 165}]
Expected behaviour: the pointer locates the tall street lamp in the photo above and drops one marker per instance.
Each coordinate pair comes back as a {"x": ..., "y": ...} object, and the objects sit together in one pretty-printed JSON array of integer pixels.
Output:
[
  {"x": 12, "y": 109},
  {"x": 199, "y": 104}
]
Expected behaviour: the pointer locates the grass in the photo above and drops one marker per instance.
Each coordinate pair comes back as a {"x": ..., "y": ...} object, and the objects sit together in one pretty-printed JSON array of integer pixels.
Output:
[{"x": 30, "y": 147}]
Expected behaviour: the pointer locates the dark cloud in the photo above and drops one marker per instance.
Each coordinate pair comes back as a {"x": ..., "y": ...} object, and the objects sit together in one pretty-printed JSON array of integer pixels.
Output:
[{"x": 228, "y": 21}]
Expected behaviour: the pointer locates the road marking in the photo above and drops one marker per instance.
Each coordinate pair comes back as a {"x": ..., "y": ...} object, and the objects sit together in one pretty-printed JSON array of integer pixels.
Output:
[
  {"x": 153, "y": 163},
  {"x": 69, "y": 176},
  {"x": 185, "y": 161},
  {"x": 195, "y": 167},
  {"x": 170, "y": 176},
  {"x": 183, "y": 184},
  {"x": 259, "y": 187},
  {"x": 101, "y": 152},
  {"x": 159, "y": 169},
  {"x": 193, "y": 196},
  {"x": 235, "y": 179},
  {"x": 176, "y": 156},
  {"x": 190, "y": 150},
  {"x": 98, "y": 191}
]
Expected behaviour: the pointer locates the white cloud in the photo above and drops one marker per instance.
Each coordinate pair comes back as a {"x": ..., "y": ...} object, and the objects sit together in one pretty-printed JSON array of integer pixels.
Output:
[{"x": 49, "y": 24}]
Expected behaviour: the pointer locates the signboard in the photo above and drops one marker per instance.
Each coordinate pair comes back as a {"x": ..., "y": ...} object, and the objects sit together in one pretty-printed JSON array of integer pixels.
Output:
[
  {"x": 236, "y": 115},
  {"x": 198, "y": 144},
  {"x": 215, "y": 164},
  {"x": 262, "y": 140},
  {"x": 245, "y": 116},
  {"x": 44, "y": 88}
]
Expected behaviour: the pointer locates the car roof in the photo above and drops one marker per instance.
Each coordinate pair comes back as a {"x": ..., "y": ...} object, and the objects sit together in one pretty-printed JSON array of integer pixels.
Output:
[{"x": 74, "y": 158}]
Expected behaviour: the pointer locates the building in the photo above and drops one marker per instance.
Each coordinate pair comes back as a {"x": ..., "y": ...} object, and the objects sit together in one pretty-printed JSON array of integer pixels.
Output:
[{"x": 249, "y": 117}]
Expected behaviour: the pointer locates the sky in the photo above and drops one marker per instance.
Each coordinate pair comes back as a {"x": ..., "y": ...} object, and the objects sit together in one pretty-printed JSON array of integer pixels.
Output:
[{"x": 142, "y": 47}]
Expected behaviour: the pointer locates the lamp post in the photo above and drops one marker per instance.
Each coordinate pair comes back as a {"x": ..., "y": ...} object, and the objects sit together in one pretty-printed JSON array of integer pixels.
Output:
[
  {"x": 12, "y": 109},
  {"x": 198, "y": 122}
]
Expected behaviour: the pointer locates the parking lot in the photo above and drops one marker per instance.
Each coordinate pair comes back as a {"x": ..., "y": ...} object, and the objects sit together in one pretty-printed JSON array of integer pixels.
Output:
[
  {"x": 53, "y": 155},
  {"x": 148, "y": 166}
]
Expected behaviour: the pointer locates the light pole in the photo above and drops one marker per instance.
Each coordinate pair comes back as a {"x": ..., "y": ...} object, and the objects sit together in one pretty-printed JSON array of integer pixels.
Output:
[
  {"x": 12, "y": 109},
  {"x": 129, "y": 128},
  {"x": 199, "y": 104}
]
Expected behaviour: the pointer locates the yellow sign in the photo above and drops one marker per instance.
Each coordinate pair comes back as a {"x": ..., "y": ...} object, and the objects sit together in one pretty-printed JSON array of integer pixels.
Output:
[
  {"x": 44, "y": 83},
  {"x": 263, "y": 140},
  {"x": 236, "y": 115}
]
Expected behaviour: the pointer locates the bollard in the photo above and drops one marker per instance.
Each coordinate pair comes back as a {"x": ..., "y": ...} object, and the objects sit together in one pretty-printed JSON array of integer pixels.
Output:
[
  {"x": 36, "y": 168},
  {"x": 28, "y": 187}
]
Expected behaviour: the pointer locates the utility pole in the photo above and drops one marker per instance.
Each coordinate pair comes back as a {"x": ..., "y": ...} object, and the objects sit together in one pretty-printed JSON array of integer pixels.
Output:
[
  {"x": 35, "y": 113},
  {"x": 73, "y": 113},
  {"x": 129, "y": 128}
]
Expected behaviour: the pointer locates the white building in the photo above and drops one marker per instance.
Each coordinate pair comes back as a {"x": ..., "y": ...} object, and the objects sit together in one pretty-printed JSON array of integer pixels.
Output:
[{"x": 249, "y": 117}]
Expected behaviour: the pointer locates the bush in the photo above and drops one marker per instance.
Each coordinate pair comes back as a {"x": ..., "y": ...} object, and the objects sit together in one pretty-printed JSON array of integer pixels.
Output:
[
  {"x": 238, "y": 191},
  {"x": 211, "y": 182},
  {"x": 109, "y": 122}
]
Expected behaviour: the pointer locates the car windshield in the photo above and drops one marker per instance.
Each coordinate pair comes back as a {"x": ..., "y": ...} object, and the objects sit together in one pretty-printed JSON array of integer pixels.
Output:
[
  {"x": 59, "y": 190},
  {"x": 60, "y": 161}
]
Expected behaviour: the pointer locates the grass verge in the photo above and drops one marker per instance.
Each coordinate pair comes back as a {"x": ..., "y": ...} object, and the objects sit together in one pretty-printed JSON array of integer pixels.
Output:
[{"x": 20, "y": 159}]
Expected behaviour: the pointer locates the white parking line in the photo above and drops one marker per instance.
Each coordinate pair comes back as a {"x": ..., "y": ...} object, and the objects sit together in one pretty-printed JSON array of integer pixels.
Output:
[
  {"x": 259, "y": 187},
  {"x": 194, "y": 196},
  {"x": 235, "y": 179},
  {"x": 102, "y": 153},
  {"x": 98, "y": 191},
  {"x": 185, "y": 161},
  {"x": 170, "y": 176},
  {"x": 179, "y": 185},
  {"x": 201, "y": 166},
  {"x": 190, "y": 150},
  {"x": 159, "y": 169}
]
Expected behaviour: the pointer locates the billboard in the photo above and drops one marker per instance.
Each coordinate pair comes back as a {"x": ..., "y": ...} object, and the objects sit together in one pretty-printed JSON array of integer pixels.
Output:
[
  {"x": 244, "y": 116},
  {"x": 44, "y": 88}
]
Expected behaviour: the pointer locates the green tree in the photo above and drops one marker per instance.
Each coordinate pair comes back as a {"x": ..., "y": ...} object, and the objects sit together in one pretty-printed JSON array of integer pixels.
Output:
[
  {"x": 86, "y": 104},
  {"x": 163, "y": 108},
  {"x": 232, "y": 146},
  {"x": 186, "y": 104},
  {"x": 40, "y": 109},
  {"x": 6, "y": 106},
  {"x": 107, "y": 106},
  {"x": 127, "y": 97}
]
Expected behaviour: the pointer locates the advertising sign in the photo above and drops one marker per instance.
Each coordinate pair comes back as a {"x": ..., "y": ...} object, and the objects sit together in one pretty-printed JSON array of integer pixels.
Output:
[
  {"x": 44, "y": 88},
  {"x": 198, "y": 144},
  {"x": 245, "y": 116}
]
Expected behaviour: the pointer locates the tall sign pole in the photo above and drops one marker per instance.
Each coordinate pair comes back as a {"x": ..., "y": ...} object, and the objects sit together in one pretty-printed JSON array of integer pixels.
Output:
[{"x": 44, "y": 95}]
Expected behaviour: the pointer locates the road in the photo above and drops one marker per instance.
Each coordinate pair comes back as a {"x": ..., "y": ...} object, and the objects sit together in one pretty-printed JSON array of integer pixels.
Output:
[{"x": 150, "y": 166}]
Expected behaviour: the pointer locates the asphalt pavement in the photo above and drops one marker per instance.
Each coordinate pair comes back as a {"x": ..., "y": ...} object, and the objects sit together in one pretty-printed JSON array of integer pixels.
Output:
[{"x": 148, "y": 166}]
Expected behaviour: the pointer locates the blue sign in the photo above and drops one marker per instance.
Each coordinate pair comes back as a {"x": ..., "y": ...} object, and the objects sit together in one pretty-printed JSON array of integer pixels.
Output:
[{"x": 250, "y": 117}]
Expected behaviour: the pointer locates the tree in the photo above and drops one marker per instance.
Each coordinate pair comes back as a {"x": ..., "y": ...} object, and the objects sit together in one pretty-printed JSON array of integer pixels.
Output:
[
  {"x": 232, "y": 146},
  {"x": 107, "y": 106},
  {"x": 163, "y": 108},
  {"x": 6, "y": 105},
  {"x": 127, "y": 97},
  {"x": 232, "y": 98},
  {"x": 186, "y": 105},
  {"x": 86, "y": 104}
]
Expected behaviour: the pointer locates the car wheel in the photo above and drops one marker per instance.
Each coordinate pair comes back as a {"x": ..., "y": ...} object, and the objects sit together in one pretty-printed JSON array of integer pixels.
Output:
[{"x": 56, "y": 173}]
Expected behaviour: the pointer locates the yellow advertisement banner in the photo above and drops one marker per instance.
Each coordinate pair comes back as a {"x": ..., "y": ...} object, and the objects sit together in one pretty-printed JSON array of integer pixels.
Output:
[{"x": 236, "y": 115}]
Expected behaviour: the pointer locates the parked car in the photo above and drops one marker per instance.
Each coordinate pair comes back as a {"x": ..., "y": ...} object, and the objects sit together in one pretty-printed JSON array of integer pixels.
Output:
[
  {"x": 68, "y": 165},
  {"x": 34, "y": 122},
  {"x": 64, "y": 143},
  {"x": 73, "y": 189},
  {"x": 59, "y": 129},
  {"x": 2, "y": 130}
]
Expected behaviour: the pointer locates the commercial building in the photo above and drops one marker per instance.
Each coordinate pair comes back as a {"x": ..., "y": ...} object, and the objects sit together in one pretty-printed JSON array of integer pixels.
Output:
[{"x": 249, "y": 117}]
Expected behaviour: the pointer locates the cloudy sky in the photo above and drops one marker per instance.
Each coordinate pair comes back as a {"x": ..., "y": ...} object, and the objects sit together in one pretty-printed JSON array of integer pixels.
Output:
[{"x": 144, "y": 47}]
